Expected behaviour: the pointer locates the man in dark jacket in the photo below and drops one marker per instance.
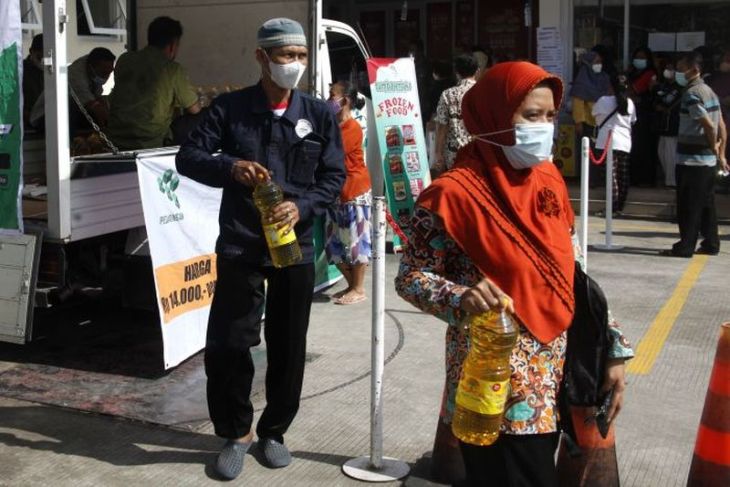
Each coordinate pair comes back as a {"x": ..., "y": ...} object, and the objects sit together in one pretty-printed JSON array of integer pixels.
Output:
[{"x": 269, "y": 130}]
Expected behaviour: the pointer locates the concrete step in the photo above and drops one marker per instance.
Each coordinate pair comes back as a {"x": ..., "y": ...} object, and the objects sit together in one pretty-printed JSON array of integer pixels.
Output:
[{"x": 652, "y": 203}]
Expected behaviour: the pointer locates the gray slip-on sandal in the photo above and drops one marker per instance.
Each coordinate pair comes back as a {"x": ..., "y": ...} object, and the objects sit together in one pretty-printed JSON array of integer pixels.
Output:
[
  {"x": 229, "y": 463},
  {"x": 276, "y": 455}
]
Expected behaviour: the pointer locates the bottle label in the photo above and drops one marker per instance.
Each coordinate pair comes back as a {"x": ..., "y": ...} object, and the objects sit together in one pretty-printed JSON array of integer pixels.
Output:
[
  {"x": 277, "y": 238},
  {"x": 482, "y": 396}
]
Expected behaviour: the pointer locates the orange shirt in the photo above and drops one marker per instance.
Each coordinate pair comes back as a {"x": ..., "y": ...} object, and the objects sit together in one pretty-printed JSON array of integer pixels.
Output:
[{"x": 358, "y": 178}]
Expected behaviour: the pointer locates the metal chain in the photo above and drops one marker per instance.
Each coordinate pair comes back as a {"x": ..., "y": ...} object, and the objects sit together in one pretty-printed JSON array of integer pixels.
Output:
[{"x": 88, "y": 117}]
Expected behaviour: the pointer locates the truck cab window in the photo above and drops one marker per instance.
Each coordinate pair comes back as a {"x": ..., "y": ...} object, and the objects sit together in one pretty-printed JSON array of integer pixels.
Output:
[{"x": 347, "y": 62}]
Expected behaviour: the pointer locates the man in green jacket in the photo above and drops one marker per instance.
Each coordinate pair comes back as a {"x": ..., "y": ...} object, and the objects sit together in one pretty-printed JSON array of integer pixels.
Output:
[{"x": 149, "y": 87}]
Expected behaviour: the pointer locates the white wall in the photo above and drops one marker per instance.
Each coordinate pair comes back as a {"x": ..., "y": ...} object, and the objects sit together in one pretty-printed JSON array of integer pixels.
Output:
[{"x": 219, "y": 40}]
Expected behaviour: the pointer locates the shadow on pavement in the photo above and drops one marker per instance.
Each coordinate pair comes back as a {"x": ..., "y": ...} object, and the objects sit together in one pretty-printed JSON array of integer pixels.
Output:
[
  {"x": 74, "y": 434},
  {"x": 628, "y": 250},
  {"x": 667, "y": 234}
]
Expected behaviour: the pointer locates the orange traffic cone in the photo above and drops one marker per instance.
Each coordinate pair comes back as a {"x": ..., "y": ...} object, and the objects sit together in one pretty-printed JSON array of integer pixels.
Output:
[
  {"x": 447, "y": 466},
  {"x": 711, "y": 462},
  {"x": 596, "y": 464}
]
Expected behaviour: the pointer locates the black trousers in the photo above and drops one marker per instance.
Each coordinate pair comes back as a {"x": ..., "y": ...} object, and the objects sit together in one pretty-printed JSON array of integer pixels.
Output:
[
  {"x": 512, "y": 461},
  {"x": 234, "y": 327},
  {"x": 621, "y": 179},
  {"x": 644, "y": 157},
  {"x": 696, "y": 209}
]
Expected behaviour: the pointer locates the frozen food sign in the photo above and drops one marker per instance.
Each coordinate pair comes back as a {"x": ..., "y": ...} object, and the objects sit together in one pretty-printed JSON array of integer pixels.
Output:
[{"x": 401, "y": 140}]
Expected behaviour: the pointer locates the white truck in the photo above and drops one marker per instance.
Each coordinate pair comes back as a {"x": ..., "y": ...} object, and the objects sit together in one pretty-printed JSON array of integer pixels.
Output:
[{"x": 93, "y": 202}]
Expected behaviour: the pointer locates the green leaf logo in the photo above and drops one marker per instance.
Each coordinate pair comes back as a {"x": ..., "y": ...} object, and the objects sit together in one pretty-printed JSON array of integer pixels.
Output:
[{"x": 168, "y": 183}]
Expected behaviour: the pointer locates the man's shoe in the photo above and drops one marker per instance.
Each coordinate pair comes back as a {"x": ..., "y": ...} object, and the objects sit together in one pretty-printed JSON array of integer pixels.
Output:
[
  {"x": 276, "y": 455},
  {"x": 706, "y": 251},
  {"x": 672, "y": 253},
  {"x": 230, "y": 460}
]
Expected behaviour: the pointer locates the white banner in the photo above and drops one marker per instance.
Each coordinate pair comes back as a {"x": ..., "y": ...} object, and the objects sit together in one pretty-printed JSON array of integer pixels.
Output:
[{"x": 181, "y": 217}]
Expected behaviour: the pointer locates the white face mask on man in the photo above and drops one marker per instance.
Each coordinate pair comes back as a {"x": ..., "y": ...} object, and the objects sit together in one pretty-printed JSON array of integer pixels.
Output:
[
  {"x": 533, "y": 144},
  {"x": 286, "y": 76}
]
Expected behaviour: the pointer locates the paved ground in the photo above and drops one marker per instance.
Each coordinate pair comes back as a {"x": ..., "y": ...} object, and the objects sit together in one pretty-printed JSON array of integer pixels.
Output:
[{"x": 676, "y": 304}]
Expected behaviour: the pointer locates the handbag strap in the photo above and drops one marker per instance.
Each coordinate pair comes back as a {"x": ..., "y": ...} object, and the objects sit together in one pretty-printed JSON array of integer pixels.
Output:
[{"x": 610, "y": 115}]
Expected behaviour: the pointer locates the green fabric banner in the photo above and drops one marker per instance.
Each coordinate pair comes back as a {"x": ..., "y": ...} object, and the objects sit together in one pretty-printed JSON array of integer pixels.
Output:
[{"x": 11, "y": 130}]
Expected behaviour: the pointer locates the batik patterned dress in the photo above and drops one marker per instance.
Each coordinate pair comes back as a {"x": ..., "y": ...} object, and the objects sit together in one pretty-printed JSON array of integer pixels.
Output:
[{"x": 433, "y": 275}]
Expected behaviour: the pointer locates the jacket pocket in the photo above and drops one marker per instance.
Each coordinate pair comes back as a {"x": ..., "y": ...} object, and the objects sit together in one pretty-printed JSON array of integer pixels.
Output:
[{"x": 303, "y": 162}]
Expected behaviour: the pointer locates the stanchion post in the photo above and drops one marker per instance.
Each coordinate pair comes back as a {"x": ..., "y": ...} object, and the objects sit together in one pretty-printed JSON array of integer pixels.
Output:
[
  {"x": 378, "y": 324},
  {"x": 376, "y": 467},
  {"x": 609, "y": 198},
  {"x": 585, "y": 165},
  {"x": 609, "y": 195}
]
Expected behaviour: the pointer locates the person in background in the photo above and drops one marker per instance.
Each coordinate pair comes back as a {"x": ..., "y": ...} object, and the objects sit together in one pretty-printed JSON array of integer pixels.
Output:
[
  {"x": 589, "y": 85},
  {"x": 708, "y": 66},
  {"x": 443, "y": 78},
  {"x": 268, "y": 131},
  {"x": 32, "y": 77},
  {"x": 148, "y": 87},
  {"x": 615, "y": 114},
  {"x": 607, "y": 56},
  {"x": 701, "y": 143},
  {"x": 720, "y": 84},
  {"x": 424, "y": 72},
  {"x": 348, "y": 244},
  {"x": 642, "y": 78},
  {"x": 665, "y": 123},
  {"x": 464, "y": 258},
  {"x": 451, "y": 135},
  {"x": 86, "y": 78},
  {"x": 483, "y": 58}
]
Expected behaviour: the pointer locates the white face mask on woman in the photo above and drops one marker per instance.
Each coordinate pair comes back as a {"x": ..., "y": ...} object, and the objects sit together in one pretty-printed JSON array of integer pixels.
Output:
[
  {"x": 286, "y": 76},
  {"x": 533, "y": 144}
]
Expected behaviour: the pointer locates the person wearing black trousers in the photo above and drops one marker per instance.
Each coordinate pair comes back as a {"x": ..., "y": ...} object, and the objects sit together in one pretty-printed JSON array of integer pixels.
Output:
[
  {"x": 700, "y": 152},
  {"x": 266, "y": 131}
]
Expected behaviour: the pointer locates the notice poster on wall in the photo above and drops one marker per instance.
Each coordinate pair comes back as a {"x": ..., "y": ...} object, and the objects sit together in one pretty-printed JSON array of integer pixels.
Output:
[
  {"x": 689, "y": 41},
  {"x": 400, "y": 135},
  {"x": 10, "y": 119},
  {"x": 550, "y": 50}
]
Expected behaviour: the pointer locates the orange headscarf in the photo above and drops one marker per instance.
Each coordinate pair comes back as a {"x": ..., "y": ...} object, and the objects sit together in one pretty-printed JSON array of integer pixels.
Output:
[{"x": 513, "y": 224}]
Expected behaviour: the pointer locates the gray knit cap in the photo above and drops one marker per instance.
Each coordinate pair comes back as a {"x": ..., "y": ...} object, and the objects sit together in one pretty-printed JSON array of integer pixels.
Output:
[{"x": 281, "y": 32}]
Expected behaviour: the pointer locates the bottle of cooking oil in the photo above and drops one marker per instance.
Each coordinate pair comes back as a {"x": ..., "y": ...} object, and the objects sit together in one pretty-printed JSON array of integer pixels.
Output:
[
  {"x": 284, "y": 248},
  {"x": 484, "y": 386}
]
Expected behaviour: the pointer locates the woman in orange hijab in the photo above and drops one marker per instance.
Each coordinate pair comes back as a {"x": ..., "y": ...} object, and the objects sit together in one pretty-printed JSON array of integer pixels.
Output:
[{"x": 499, "y": 224}]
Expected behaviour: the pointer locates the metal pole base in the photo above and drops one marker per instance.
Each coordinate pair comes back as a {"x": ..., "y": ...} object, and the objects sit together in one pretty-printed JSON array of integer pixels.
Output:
[
  {"x": 362, "y": 469},
  {"x": 606, "y": 247}
]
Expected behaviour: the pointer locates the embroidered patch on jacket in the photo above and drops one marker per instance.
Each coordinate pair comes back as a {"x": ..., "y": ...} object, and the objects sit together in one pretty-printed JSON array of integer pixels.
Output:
[{"x": 547, "y": 202}]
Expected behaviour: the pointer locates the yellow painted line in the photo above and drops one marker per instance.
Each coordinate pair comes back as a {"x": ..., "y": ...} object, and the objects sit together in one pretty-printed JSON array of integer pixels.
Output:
[{"x": 653, "y": 341}]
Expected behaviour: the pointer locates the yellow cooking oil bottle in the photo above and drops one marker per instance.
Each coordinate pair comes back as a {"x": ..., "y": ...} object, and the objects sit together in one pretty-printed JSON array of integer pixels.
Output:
[
  {"x": 485, "y": 377},
  {"x": 284, "y": 248}
]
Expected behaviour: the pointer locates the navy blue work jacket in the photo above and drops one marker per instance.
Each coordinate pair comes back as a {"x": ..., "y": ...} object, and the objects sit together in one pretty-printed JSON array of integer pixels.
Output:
[{"x": 302, "y": 149}]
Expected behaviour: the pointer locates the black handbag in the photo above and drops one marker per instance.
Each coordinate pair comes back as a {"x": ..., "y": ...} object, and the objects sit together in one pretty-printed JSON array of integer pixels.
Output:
[{"x": 586, "y": 356}]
